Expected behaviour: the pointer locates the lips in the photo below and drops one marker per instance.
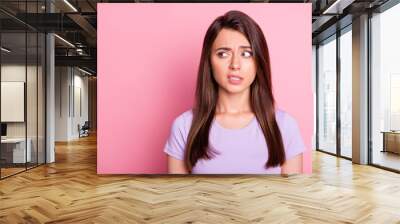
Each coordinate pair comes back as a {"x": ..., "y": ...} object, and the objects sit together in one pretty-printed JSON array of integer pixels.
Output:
[{"x": 234, "y": 79}]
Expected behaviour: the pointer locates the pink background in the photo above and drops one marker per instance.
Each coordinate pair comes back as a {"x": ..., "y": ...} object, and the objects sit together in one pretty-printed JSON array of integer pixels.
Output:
[{"x": 148, "y": 56}]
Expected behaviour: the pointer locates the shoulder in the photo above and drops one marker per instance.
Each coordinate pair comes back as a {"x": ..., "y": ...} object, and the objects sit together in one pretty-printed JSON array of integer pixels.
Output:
[
  {"x": 183, "y": 121},
  {"x": 291, "y": 133},
  {"x": 176, "y": 142},
  {"x": 284, "y": 119},
  {"x": 287, "y": 125},
  {"x": 185, "y": 117}
]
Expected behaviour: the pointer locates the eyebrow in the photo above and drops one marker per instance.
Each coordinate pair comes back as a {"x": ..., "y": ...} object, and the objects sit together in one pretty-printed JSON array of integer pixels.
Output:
[{"x": 227, "y": 48}]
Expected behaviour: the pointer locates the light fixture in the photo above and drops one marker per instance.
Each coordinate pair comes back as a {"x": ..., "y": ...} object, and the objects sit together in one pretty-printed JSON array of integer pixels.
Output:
[
  {"x": 326, "y": 11},
  {"x": 64, "y": 40},
  {"x": 337, "y": 7},
  {"x": 70, "y": 5},
  {"x": 86, "y": 72},
  {"x": 5, "y": 50},
  {"x": 79, "y": 51}
]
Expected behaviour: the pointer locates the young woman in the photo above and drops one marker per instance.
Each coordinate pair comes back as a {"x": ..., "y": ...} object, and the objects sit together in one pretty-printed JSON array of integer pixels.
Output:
[{"x": 234, "y": 126}]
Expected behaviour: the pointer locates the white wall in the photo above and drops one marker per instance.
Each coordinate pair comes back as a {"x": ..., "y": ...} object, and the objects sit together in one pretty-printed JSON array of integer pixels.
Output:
[
  {"x": 15, "y": 72},
  {"x": 62, "y": 80},
  {"x": 71, "y": 93}
]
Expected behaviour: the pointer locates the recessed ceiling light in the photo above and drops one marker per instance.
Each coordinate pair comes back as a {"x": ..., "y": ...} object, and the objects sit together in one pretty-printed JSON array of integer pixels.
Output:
[
  {"x": 64, "y": 40},
  {"x": 70, "y": 5},
  {"x": 337, "y": 7},
  {"x": 5, "y": 50},
  {"x": 86, "y": 72}
]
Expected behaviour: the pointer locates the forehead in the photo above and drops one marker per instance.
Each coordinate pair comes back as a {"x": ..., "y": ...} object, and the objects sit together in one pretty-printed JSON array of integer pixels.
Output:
[{"x": 230, "y": 38}]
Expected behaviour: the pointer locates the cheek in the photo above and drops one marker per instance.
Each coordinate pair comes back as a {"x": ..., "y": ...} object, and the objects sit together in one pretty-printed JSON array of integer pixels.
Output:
[
  {"x": 250, "y": 69},
  {"x": 219, "y": 68}
]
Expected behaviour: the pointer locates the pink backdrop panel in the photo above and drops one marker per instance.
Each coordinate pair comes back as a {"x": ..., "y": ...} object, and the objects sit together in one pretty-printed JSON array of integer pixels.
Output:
[{"x": 148, "y": 56}]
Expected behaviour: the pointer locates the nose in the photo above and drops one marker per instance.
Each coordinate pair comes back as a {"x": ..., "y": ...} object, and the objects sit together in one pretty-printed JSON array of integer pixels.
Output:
[{"x": 235, "y": 63}]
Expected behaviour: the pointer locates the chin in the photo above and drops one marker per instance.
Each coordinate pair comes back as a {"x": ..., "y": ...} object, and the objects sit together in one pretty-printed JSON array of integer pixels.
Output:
[{"x": 235, "y": 89}]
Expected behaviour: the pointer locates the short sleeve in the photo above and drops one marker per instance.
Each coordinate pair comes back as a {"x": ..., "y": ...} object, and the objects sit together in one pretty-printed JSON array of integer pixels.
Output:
[
  {"x": 293, "y": 141},
  {"x": 175, "y": 145}
]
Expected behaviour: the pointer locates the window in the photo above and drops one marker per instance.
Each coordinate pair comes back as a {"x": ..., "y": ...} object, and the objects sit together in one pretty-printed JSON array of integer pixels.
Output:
[
  {"x": 22, "y": 77},
  {"x": 327, "y": 95},
  {"x": 385, "y": 88},
  {"x": 346, "y": 92}
]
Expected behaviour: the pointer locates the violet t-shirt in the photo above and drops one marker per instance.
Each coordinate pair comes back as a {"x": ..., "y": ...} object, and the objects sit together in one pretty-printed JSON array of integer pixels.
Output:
[{"x": 239, "y": 151}]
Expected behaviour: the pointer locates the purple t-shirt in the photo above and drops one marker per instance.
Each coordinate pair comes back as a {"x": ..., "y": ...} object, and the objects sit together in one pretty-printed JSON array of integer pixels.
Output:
[{"x": 240, "y": 151}]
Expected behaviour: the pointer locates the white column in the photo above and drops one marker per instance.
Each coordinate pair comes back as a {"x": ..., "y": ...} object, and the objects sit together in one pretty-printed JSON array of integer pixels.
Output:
[
  {"x": 360, "y": 90},
  {"x": 50, "y": 92}
]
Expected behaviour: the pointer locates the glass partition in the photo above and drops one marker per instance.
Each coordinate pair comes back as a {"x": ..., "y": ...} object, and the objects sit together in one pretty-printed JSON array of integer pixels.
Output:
[
  {"x": 31, "y": 100},
  {"x": 346, "y": 93},
  {"x": 13, "y": 109},
  {"x": 385, "y": 89},
  {"x": 41, "y": 87},
  {"x": 327, "y": 95},
  {"x": 22, "y": 88}
]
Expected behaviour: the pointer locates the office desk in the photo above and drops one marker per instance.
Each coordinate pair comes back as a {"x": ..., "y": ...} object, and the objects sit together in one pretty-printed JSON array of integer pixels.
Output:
[
  {"x": 15, "y": 148},
  {"x": 391, "y": 141}
]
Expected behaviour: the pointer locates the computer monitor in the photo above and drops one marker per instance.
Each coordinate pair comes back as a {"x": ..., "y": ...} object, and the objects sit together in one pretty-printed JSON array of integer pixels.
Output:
[{"x": 3, "y": 129}]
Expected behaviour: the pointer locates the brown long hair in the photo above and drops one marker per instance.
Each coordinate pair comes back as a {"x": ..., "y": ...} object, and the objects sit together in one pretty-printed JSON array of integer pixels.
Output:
[{"x": 262, "y": 99}]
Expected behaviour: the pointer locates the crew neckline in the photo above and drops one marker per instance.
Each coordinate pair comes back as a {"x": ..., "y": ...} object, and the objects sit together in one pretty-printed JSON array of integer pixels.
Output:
[{"x": 248, "y": 125}]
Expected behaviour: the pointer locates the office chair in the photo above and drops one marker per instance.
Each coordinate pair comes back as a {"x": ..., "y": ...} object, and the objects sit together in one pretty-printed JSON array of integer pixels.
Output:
[{"x": 84, "y": 130}]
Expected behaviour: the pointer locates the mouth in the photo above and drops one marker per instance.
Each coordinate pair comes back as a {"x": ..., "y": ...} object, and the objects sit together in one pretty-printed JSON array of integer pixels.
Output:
[{"x": 234, "y": 79}]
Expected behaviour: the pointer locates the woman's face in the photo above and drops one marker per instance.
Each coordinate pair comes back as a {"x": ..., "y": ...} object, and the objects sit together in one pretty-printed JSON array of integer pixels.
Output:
[{"x": 232, "y": 61}]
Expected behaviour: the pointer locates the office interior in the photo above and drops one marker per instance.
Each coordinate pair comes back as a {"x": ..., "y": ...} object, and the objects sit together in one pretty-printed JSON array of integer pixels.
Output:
[
  {"x": 48, "y": 82},
  {"x": 357, "y": 86}
]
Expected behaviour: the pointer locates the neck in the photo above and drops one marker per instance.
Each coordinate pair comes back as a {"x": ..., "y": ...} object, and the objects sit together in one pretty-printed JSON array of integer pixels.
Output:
[{"x": 233, "y": 103}]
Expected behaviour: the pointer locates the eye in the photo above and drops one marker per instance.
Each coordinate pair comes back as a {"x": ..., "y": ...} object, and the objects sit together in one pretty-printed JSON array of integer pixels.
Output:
[
  {"x": 247, "y": 54},
  {"x": 222, "y": 54}
]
